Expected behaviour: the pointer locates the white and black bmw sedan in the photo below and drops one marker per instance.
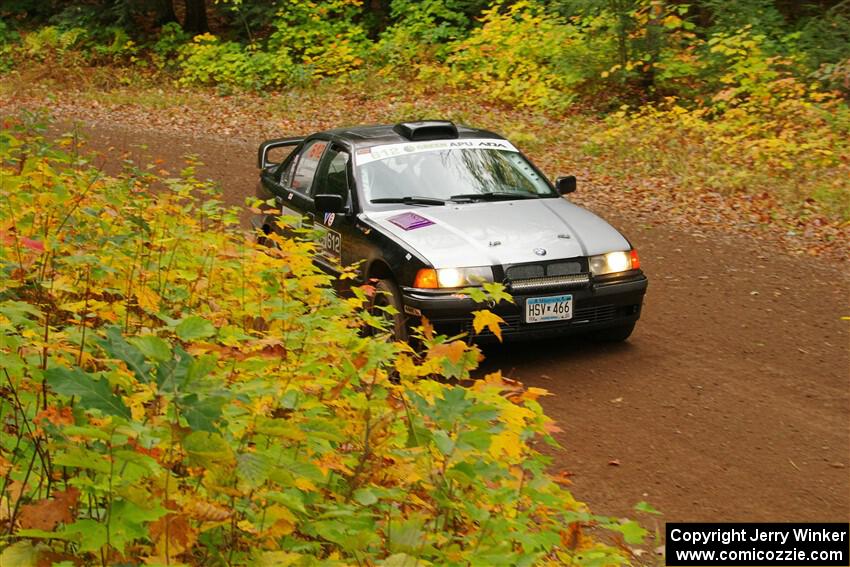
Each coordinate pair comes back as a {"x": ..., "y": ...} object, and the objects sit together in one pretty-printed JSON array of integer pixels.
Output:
[{"x": 430, "y": 208}]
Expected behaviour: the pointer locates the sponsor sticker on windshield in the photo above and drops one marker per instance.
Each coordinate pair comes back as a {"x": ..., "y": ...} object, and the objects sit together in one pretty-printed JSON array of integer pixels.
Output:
[{"x": 367, "y": 155}]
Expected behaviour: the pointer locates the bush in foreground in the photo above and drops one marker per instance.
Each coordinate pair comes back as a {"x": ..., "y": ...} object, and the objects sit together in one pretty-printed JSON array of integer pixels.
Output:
[{"x": 173, "y": 395}]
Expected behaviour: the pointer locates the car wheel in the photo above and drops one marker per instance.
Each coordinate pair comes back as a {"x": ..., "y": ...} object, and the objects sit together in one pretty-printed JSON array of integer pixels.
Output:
[
  {"x": 614, "y": 334},
  {"x": 388, "y": 294},
  {"x": 262, "y": 235}
]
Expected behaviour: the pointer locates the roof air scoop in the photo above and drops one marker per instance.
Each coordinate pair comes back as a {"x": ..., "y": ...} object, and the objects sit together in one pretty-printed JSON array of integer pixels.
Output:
[{"x": 426, "y": 130}]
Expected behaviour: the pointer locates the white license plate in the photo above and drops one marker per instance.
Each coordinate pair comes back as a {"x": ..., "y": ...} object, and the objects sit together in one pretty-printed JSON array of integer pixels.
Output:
[{"x": 554, "y": 308}]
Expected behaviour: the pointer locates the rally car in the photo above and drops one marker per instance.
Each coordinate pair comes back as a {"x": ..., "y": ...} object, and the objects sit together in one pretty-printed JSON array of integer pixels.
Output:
[{"x": 429, "y": 208}]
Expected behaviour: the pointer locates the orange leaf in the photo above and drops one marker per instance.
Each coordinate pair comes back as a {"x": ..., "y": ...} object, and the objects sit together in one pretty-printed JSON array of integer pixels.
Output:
[
  {"x": 175, "y": 530},
  {"x": 563, "y": 478},
  {"x": 572, "y": 536},
  {"x": 453, "y": 351},
  {"x": 5, "y": 466},
  {"x": 56, "y": 416},
  {"x": 427, "y": 328},
  {"x": 47, "y": 514},
  {"x": 534, "y": 393}
]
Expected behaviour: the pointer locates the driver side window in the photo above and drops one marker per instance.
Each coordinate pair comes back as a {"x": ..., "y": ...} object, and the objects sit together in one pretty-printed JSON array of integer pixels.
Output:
[
  {"x": 299, "y": 176},
  {"x": 334, "y": 179}
]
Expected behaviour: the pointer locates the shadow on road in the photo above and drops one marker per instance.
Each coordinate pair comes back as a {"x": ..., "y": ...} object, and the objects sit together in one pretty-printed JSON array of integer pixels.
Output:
[{"x": 554, "y": 352}]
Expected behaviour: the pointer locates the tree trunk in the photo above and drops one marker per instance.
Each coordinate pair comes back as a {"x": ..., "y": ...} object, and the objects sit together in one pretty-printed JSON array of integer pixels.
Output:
[
  {"x": 380, "y": 9},
  {"x": 654, "y": 31},
  {"x": 621, "y": 10},
  {"x": 196, "y": 17},
  {"x": 165, "y": 12}
]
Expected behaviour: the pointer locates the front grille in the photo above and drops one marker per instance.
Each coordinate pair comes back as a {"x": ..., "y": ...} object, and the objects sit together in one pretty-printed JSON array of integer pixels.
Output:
[
  {"x": 529, "y": 271},
  {"x": 552, "y": 283}
]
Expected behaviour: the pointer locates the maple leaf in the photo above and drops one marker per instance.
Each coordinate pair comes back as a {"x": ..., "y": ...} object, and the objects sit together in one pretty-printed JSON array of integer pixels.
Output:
[
  {"x": 506, "y": 443},
  {"x": 405, "y": 366},
  {"x": 173, "y": 533},
  {"x": 453, "y": 351},
  {"x": 56, "y": 416},
  {"x": 427, "y": 328},
  {"x": 534, "y": 393},
  {"x": 279, "y": 521},
  {"x": 147, "y": 298},
  {"x": 48, "y": 513},
  {"x": 485, "y": 318}
]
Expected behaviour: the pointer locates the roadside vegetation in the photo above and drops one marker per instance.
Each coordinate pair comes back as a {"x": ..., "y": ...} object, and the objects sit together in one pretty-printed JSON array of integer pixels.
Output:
[
  {"x": 173, "y": 394},
  {"x": 743, "y": 98}
]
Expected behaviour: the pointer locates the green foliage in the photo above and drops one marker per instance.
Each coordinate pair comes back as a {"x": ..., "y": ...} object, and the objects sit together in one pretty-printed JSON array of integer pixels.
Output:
[
  {"x": 423, "y": 31},
  {"x": 824, "y": 43},
  {"x": 308, "y": 42},
  {"x": 760, "y": 14},
  {"x": 166, "y": 49},
  {"x": 324, "y": 38},
  {"x": 209, "y": 61},
  {"x": 78, "y": 46},
  {"x": 174, "y": 394},
  {"x": 8, "y": 39},
  {"x": 512, "y": 55}
]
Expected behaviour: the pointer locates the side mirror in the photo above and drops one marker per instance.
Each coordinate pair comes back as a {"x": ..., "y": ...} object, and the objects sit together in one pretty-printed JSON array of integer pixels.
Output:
[
  {"x": 329, "y": 203},
  {"x": 566, "y": 184}
]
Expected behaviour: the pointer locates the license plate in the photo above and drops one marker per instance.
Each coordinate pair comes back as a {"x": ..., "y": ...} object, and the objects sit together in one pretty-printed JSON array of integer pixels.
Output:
[{"x": 554, "y": 308}]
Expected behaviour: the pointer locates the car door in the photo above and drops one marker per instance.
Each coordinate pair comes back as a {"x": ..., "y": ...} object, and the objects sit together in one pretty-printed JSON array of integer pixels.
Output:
[
  {"x": 339, "y": 235},
  {"x": 296, "y": 183}
]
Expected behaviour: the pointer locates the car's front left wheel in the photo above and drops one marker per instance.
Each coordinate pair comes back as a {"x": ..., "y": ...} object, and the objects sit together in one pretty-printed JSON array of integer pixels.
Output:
[{"x": 387, "y": 294}]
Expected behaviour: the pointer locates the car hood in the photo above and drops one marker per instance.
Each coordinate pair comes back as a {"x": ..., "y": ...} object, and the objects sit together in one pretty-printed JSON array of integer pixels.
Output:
[{"x": 502, "y": 232}]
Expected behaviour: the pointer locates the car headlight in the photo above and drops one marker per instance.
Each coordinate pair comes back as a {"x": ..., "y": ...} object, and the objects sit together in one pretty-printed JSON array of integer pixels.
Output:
[
  {"x": 614, "y": 262},
  {"x": 430, "y": 278}
]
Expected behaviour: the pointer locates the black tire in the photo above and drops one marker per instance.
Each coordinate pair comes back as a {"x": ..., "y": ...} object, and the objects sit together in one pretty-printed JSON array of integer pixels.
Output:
[
  {"x": 262, "y": 235},
  {"x": 386, "y": 294},
  {"x": 614, "y": 334}
]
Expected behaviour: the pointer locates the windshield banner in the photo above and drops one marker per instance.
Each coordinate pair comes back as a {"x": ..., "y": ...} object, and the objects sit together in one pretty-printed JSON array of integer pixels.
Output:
[{"x": 366, "y": 155}]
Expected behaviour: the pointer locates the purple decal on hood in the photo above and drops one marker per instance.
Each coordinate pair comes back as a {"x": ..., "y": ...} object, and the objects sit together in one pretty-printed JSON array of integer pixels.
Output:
[{"x": 410, "y": 221}]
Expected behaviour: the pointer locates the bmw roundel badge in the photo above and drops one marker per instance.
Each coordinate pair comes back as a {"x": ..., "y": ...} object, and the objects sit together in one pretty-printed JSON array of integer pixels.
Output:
[{"x": 540, "y": 251}]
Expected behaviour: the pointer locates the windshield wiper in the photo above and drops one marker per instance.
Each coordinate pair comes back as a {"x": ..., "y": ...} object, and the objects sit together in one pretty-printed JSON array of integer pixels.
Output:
[
  {"x": 497, "y": 196},
  {"x": 408, "y": 200}
]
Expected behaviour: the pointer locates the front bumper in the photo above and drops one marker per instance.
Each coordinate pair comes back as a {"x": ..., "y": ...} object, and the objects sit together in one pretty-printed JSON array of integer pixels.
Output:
[{"x": 599, "y": 306}]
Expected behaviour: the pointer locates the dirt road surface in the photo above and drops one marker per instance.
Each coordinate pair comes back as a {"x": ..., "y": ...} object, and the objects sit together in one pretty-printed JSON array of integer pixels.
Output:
[{"x": 731, "y": 402}]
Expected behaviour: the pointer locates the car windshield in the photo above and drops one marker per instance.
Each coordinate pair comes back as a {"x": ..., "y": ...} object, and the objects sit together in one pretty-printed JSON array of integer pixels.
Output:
[{"x": 419, "y": 173}]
